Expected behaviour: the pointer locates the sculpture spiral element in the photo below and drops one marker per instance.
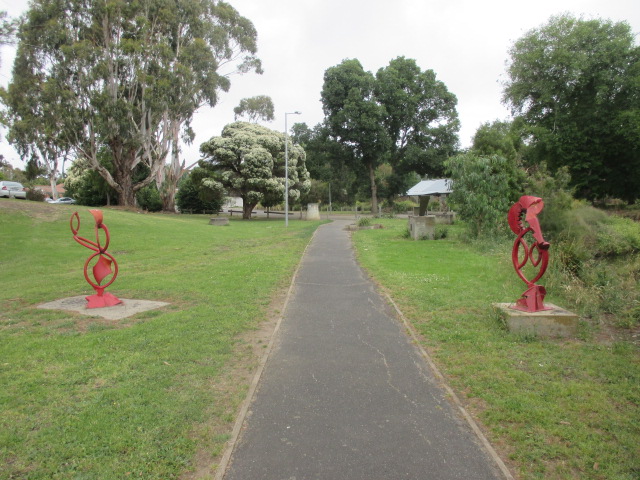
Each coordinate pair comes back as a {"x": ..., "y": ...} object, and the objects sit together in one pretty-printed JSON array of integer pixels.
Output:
[
  {"x": 102, "y": 267},
  {"x": 527, "y": 210}
]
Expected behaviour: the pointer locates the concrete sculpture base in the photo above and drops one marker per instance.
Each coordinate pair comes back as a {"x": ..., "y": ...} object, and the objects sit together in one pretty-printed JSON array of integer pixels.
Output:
[{"x": 556, "y": 322}]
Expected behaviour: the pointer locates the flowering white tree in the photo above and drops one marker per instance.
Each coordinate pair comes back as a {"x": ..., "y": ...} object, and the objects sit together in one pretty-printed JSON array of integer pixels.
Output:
[{"x": 250, "y": 162}]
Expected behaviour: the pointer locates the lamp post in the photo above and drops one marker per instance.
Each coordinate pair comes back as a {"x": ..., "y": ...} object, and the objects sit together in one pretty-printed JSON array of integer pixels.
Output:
[{"x": 286, "y": 168}]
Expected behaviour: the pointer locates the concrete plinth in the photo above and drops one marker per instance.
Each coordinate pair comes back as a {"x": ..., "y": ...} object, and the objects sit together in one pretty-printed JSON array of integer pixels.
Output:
[
  {"x": 555, "y": 322},
  {"x": 422, "y": 227},
  {"x": 219, "y": 221},
  {"x": 313, "y": 211}
]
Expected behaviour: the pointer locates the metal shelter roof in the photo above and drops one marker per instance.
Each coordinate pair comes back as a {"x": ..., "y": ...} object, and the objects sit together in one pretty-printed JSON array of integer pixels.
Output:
[{"x": 441, "y": 186}]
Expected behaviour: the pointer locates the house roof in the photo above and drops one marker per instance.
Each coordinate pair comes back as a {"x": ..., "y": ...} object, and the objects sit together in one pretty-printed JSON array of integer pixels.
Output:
[{"x": 441, "y": 186}]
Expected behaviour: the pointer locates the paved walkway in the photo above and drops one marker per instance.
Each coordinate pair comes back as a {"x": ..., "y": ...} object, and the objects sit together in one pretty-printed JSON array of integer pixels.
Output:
[{"x": 345, "y": 394}]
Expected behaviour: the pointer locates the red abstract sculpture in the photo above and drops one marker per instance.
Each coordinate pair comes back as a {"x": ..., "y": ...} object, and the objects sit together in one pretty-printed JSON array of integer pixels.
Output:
[
  {"x": 102, "y": 267},
  {"x": 527, "y": 209}
]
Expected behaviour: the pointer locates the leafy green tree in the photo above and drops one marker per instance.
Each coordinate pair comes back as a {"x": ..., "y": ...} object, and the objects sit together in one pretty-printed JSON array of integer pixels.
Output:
[
  {"x": 498, "y": 138},
  {"x": 255, "y": 108},
  {"x": 130, "y": 75},
  {"x": 576, "y": 85},
  {"x": 328, "y": 161},
  {"x": 402, "y": 117},
  {"x": 200, "y": 191},
  {"x": 355, "y": 119},
  {"x": 250, "y": 163},
  {"x": 484, "y": 188},
  {"x": 420, "y": 118}
]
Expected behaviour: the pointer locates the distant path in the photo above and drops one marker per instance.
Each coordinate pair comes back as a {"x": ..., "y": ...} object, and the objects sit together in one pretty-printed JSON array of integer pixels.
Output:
[{"x": 345, "y": 395}]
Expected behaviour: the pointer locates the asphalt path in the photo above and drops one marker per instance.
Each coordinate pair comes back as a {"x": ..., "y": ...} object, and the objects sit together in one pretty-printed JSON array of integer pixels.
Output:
[{"x": 345, "y": 393}]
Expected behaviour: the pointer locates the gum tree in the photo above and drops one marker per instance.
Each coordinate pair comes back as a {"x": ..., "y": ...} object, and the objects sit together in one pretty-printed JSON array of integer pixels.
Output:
[{"x": 129, "y": 76}]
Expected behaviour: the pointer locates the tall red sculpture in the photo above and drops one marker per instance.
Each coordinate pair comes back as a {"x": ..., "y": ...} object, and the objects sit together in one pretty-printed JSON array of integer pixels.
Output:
[
  {"x": 102, "y": 268},
  {"x": 526, "y": 210}
]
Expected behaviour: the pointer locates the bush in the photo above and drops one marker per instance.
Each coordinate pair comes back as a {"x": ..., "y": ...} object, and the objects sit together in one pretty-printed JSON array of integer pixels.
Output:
[
  {"x": 364, "y": 222},
  {"x": 190, "y": 198},
  {"x": 484, "y": 188},
  {"x": 36, "y": 195},
  {"x": 402, "y": 206},
  {"x": 149, "y": 199}
]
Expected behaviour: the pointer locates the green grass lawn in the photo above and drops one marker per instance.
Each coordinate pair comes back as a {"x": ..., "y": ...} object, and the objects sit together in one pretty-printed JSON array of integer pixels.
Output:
[
  {"x": 555, "y": 409},
  {"x": 153, "y": 396}
]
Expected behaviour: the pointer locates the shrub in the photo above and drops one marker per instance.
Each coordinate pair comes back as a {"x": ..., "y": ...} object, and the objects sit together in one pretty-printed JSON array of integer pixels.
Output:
[
  {"x": 364, "y": 222},
  {"x": 484, "y": 188},
  {"x": 192, "y": 197},
  {"x": 35, "y": 195},
  {"x": 441, "y": 232},
  {"x": 403, "y": 206},
  {"x": 149, "y": 199}
]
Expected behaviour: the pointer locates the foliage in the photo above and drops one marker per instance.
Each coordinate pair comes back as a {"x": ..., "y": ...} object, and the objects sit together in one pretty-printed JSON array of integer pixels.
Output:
[
  {"x": 200, "y": 192},
  {"x": 484, "y": 188},
  {"x": 149, "y": 199},
  {"x": 420, "y": 118},
  {"x": 152, "y": 396},
  {"x": 140, "y": 71},
  {"x": 354, "y": 118},
  {"x": 249, "y": 161},
  {"x": 554, "y": 409},
  {"x": 364, "y": 222},
  {"x": 498, "y": 138},
  {"x": 255, "y": 108},
  {"x": 86, "y": 186},
  {"x": 403, "y": 206},
  {"x": 403, "y": 117},
  {"x": 327, "y": 160},
  {"x": 35, "y": 195},
  {"x": 575, "y": 85}
]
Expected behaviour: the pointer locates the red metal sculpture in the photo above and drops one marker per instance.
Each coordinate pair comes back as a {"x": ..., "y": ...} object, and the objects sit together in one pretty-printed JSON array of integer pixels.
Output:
[
  {"x": 527, "y": 209},
  {"x": 102, "y": 268}
]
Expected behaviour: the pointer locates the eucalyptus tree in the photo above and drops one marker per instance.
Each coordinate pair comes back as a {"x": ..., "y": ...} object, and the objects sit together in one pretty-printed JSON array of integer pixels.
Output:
[
  {"x": 250, "y": 162},
  {"x": 576, "y": 85},
  {"x": 129, "y": 76},
  {"x": 255, "y": 108}
]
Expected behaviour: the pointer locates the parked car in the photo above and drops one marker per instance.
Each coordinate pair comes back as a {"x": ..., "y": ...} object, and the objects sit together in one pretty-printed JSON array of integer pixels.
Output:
[
  {"x": 66, "y": 200},
  {"x": 12, "y": 189}
]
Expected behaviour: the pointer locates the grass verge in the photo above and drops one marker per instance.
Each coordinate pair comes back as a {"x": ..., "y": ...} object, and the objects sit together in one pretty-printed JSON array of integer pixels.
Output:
[
  {"x": 555, "y": 409},
  {"x": 153, "y": 396}
]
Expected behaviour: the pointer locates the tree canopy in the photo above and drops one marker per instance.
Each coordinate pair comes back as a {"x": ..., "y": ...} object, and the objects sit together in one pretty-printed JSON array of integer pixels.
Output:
[
  {"x": 249, "y": 160},
  {"x": 401, "y": 116},
  {"x": 576, "y": 85},
  {"x": 255, "y": 108},
  {"x": 126, "y": 75}
]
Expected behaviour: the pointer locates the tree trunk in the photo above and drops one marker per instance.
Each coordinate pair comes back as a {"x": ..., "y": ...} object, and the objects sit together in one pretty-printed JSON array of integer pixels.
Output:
[
  {"x": 374, "y": 190},
  {"x": 172, "y": 172},
  {"x": 247, "y": 208}
]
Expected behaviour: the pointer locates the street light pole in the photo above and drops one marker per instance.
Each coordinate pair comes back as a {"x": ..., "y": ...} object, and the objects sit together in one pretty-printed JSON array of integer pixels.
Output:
[{"x": 286, "y": 168}]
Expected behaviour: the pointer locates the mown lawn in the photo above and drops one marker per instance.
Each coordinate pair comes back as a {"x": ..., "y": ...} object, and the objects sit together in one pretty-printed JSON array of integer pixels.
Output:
[
  {"x": 153, "y": 396},
  {"x": 555, "y": 409}
]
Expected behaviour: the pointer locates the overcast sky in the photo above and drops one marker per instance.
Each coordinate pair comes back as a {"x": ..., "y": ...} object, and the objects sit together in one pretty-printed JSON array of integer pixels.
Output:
[{"x": 465, "y": 42}]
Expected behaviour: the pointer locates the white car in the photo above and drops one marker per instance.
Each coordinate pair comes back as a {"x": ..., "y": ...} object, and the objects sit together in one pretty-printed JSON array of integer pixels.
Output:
[
  {"x": 65, "y": 200},
  {"x": 12, "y": 189}
]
